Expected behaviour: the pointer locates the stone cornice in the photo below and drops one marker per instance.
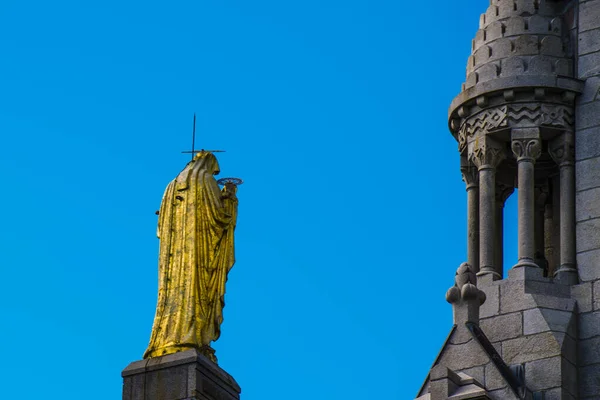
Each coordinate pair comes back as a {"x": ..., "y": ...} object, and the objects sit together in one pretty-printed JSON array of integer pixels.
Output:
[
  {"x": 523, "y": 83},
  {"x": 536, "y": 107}
]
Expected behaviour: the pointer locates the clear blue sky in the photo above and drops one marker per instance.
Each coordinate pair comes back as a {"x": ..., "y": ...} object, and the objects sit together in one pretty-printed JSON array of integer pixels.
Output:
[{"x": 352, "y": 216}]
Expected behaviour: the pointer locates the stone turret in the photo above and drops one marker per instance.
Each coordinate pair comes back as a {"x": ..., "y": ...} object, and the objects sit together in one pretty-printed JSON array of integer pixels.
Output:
[
  {"x": 527, "y": 123},
  {"x": 514, "y": 123},
  {"x": 519, "y": 44}
]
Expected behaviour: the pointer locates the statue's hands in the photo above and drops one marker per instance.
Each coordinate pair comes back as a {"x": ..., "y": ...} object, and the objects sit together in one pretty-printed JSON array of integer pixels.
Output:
[
  {"x": 228, "y": 195},
  {"x": 229, "y": 191}
]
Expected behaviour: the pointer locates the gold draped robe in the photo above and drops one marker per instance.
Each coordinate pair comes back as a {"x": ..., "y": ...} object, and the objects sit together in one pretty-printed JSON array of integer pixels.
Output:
[{"x": 195, "y": 228}]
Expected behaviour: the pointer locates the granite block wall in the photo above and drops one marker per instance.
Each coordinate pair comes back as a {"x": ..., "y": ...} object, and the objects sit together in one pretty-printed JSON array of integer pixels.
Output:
[{"x": 587, "y": 169}]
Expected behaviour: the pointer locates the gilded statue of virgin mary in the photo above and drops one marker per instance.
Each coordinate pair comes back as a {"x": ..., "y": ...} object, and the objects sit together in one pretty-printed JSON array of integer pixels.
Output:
[{"x": 195, "y": 228}]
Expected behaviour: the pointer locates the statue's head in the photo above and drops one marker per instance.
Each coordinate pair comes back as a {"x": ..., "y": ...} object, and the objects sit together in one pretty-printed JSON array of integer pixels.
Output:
[{"x": 207, "y": 161}]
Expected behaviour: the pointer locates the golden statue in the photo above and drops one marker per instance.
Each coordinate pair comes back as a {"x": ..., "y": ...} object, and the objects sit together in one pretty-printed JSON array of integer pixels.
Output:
[{"x": 195, "y": 228}]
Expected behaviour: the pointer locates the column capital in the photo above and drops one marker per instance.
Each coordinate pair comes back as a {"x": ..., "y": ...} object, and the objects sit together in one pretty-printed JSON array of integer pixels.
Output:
[
  {"x": 486, "y": 153},
  {"x": 562, "y": 149},
  {"x": 503, "y": 192},
  {"x": 526, "y": 144},
  {"x": 469, "y": 173}
]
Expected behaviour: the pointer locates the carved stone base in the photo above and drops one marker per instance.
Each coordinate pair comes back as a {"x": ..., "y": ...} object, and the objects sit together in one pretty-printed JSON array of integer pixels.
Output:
[{"x": 188, "y": 375}]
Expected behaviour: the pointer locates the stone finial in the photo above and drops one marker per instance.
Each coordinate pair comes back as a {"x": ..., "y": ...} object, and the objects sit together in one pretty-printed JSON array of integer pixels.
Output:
[
  {"x": 465, "y": 296},
  {"x": 465, "y": 286}
]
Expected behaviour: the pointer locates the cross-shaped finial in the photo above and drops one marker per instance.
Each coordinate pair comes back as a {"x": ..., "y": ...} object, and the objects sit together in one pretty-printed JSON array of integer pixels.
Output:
[{"x": 193, "y": 151}]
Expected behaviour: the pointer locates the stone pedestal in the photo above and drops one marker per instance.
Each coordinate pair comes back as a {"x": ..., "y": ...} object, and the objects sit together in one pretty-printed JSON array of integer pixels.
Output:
[{"x": 181, "y": 376}]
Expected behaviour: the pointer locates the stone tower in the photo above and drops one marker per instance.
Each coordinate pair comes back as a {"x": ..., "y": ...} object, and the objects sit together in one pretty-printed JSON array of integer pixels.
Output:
[{"x": 527, "y": 123}]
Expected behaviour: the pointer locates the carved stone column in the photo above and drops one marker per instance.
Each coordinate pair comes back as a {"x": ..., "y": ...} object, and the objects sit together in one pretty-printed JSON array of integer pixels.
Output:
[
  {"x": 541, "y": 199},
  {"x": 470, "y": 176},
  {"x": 562, "y": 151},
  {"x": 503, "y": 192},
  {"x": 549, "y": 251},
  {"x": 526, "y": 146},
  {"x": 487, "y": 154}
]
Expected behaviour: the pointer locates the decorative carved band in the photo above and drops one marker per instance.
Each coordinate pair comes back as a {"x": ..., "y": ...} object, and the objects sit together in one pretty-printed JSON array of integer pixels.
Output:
[
  {"x": 486, "y": 154},
  {"x": 562, "y": 150},
  {"x": 485, "y": 121},
  {"x": 533, "y": 114},
  {"x": 515, "y": 115}
]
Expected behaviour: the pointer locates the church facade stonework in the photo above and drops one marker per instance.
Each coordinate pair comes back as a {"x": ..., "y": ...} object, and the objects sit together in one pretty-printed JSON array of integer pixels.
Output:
[{"x": 527, "y": 124}]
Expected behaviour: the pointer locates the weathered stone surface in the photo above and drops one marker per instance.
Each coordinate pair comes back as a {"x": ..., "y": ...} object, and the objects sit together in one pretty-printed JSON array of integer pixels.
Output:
[
  {"x": 133, "y": 388},
  {"x": 587, "y": 205},
  {"x": 524, "y": 295},
  {"x": 493, "y": 379},
  {"x": 587, "y": 114},
  {"x": 527, "y": 274},
  {"x": 589, "y": 41},
  {"x": 569, "y": 347},
  {"x": 170, "y": 383},
  {"x": 588, "y": 234},
  {"x": 498, "y": 347},
  {"x": 463, "y": 356},
  {"x": 184, "y": 375},
  {"x": 586, "y": 174},
  {"x": 588, "y": 67},
  {"x": 556, "y": 303},
  {"x": 513, "y": 297},
  {"x": 569, "y": 376},
  {"x": 589, "y": 351},
  {"x": 582, "y": 293},
  {"x": 477, "y": 373},
  {"x": 589, "y": 18},
  {"x": 530, "y": 348},
  {"x": 443, "y": 382},
  {"x": 543, "y": 374},
  {"x": 558, "y": 394},
  {"x": 596, "y": 291},
  {"x": 502, "y": 394},
  {"x": 589, "y": 325},
  {"x": 460, "y": 335},
  {"x": 541, "y": 320},
  {"x": 588, "y": 265},
  {"x": 589, "y": 382},
  {"x": 548, "y": 289},
  {"x": 590, "y": 93},
  {"x": 502, "y": 327},
  {"x": 491, "y": 306}
]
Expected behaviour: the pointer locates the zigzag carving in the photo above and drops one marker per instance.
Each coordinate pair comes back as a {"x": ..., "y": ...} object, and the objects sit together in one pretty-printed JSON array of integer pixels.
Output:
[
  {"x": 536, "y": 114},
  {"x": 487, "y": 120},
  {"x": 522, "y": 112},
  {"x": 542, "y": 114},
  {"x": 483, "y": 122}
]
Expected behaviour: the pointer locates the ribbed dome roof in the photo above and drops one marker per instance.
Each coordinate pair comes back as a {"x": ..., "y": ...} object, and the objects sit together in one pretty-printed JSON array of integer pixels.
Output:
[
  {"x": 523, "y": 37},
  {"x": 520, "y": 43}
]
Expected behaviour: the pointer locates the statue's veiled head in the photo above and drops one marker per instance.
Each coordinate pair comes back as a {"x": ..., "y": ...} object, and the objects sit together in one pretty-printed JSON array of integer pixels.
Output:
[
  {"x": 204, "y": 163},
  {"x": 206, "y": 160}
]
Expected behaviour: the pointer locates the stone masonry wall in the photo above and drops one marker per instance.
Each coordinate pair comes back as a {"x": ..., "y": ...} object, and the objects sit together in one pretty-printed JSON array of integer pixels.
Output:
[
  {"x": 587, "y": 167},
  {"x": 532, "y": 323}
]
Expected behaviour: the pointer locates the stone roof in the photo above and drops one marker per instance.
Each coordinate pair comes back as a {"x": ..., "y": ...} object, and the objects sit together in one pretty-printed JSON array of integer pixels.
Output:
[{"x": 520, "y": 43}]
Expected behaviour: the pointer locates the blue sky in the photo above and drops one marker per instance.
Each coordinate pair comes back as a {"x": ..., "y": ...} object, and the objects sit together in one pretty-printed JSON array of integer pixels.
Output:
[{"x": 351, "y": 219}]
